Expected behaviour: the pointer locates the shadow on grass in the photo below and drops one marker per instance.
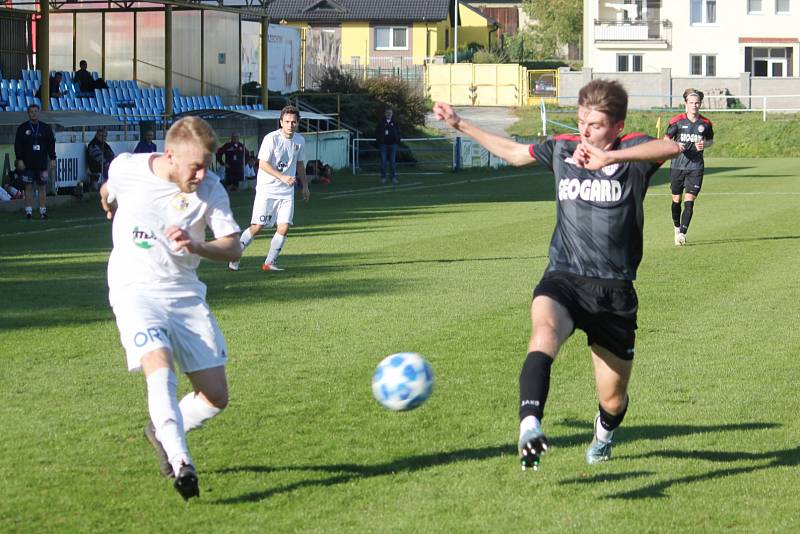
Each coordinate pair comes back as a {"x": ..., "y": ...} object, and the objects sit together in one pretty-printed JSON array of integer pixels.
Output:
[
  {"x": 350, "y": 472},
  {"x": 701, "y": 242},
  {"x": 779, "y": 458}
]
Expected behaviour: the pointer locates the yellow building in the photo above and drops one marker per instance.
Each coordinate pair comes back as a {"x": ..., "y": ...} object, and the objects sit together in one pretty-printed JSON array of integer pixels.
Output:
[{"x": 380, "y": 33}]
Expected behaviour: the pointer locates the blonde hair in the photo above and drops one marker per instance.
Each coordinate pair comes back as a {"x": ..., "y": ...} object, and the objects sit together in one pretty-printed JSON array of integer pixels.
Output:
[
  {"x": 192, "y": 130},
  {"x": 605, "y": 96}
]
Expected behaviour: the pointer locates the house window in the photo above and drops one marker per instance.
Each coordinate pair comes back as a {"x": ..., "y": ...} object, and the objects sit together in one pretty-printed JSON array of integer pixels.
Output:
[
  {"x": 629, "y": 63},
  {"x": 769, "y": 63},
  {"x": 754, "y": 6},
  {"x": 391, "y": 38},
  {"x": 704, "y": 12},
  {"x": 702, "y": 65},
  {"x": 782, "y": 7}
]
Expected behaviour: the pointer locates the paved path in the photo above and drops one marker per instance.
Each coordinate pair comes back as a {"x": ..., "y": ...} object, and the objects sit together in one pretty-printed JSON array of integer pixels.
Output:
[{"x": 493, "y": 119}]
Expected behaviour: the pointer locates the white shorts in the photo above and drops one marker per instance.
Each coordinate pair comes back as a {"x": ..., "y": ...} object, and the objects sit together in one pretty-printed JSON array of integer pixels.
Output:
[
  {"x": 185, "y": 326},
  {"x": 269, "y": 211}
]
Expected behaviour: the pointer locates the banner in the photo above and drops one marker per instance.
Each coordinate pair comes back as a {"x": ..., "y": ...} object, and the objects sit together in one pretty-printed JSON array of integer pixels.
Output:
[{"x": 283, "y": 60}]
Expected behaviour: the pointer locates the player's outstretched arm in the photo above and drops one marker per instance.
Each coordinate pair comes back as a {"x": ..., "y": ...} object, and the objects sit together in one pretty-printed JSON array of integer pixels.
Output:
[
  {"x": 594, "y": 158},
  {"x": 515, "y": 153},
  {"x": 225, "y": 248}
]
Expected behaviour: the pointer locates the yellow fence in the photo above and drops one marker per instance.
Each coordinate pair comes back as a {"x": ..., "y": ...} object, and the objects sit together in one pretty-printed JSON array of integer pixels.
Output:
[{"x": 468, "y": 84}]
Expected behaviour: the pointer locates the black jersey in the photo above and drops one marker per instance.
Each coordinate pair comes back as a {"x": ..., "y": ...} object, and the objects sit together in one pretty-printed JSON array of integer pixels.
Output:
[
  {"x": 686, "y": 132},
  {"x": 599, "y": 218}
]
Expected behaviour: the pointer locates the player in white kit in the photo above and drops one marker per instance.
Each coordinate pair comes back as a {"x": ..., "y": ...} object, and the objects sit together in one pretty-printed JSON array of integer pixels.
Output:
[
  {"x": 281, "y": 162},
  {"x": 161, "y": 205}
]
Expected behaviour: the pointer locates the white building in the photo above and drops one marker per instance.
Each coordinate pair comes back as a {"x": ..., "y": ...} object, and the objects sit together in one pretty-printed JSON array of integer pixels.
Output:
[{"x": 693, "y": 38}]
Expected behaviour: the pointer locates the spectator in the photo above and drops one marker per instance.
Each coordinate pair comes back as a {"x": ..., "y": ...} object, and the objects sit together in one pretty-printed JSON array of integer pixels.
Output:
[
  {"x": 146, "y": 144},
  {"x": 387, "y": 135},
  {"x": 98, "y": 158},
  {"x": 84, "y": 80},
  {"x": 55, "y": 87},
  {"x": 233, "y": 155},
  {"x": 35, "y": 153}
]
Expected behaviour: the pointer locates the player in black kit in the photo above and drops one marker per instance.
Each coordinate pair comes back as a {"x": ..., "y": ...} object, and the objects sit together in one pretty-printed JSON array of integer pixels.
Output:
[
  {"x": 695, "y": 133},
  {"x": 601, "y": 178}
]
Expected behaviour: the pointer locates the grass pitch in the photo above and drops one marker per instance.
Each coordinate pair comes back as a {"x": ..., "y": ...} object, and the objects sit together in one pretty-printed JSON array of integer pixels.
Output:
[{"x": 443, "y": 265}]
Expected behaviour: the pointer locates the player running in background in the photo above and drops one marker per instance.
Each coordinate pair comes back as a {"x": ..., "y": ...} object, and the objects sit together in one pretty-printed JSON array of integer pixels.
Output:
[
  {"x": 601, "y": 179},
  {"x": 280, "y": 164},
  {"x": 695, "y": 133},
  {"x": 161, "y": 205}
]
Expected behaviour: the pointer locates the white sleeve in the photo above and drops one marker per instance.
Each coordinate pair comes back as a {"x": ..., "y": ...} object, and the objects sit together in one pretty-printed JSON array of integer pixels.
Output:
[
  {"x": 266, "y": 149},
  {"x": 219, "y": 216}
]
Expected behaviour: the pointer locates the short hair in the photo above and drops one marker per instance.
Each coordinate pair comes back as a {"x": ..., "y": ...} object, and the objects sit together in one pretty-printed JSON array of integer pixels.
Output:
[
  {"x": 290, "y": 110},
  {"x": 605, "y": 96},
  {"x": 33, "y": 106},
  {"x": 689, "y": 92},
  {"x": 82, "y": 62},
  {"x": 192, "y": 130},
  {"x": 57, "y": 73}
]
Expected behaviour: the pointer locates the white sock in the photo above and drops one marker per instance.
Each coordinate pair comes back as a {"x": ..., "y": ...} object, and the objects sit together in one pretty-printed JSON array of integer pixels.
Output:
[
  {"x": 601, "y": 433},
  {"x": 275, "y": 248},
  {"x": 162, "y": 404},
  {"x": 42, "y": 210},
  {"x": 246, "y": 238},
  {"x": 528, "y": 423},
  {"x": 195, "y": 411},
  {"x": 28, "y": 210}
]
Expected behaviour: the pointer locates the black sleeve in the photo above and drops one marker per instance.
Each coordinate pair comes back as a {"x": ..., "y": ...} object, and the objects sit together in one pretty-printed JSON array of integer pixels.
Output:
[
  {"x": 710, "y": 132},
  {"x": 543, "y": 153},
  {"x": 19, "y": 141},
  {"x": 672, "y": 129},
  {"x": 51, "y": 140}
]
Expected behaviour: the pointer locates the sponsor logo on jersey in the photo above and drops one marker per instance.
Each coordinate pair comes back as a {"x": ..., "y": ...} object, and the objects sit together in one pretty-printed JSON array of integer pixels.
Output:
[
  {"x": 609, "y": 170},
  {"x": 701, "y": 128},
  {"x": 589, "y": 190},
  {"x": 282, "y": 165},
  {"x": 180, "y": 202},
  {"x": 143, "y": 238},
  {"x": 690, "y": 138}
]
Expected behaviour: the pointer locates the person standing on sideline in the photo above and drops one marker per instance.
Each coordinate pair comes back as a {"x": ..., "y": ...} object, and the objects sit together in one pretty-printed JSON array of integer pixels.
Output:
[
  {"x": 601, "y": 178},
  {"x": 281, "y": 164},
  {"x": 146, "y": 144},
  {"x": 233, "y": 155},
  {"x": 35, "y": 152},
  {"x": 161, "y": 205},
  {"x": 695, "y": 133},
  {"x": 387, "y": 135}
]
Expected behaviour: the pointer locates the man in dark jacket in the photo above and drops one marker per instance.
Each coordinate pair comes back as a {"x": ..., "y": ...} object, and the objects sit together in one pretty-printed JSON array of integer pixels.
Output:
[
  {"x": 233, "y": 155},
  {"x": 387, "y": 135},
  {"x": 84, "y": 80},
  {"x": 98, "y": 158},
  {"x": 35, "y": 153}
]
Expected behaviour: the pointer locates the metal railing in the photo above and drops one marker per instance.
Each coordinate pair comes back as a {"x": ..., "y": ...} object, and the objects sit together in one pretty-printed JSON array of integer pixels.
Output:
[{"x": 633, "y": 30}]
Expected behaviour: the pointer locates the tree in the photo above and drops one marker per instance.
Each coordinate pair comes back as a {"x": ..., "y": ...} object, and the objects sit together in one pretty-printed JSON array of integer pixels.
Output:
[{"x": 557, "y": 23}]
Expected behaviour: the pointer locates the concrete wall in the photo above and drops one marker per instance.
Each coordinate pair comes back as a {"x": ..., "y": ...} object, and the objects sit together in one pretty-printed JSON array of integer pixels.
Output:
[{"x": 660, "y": 89}]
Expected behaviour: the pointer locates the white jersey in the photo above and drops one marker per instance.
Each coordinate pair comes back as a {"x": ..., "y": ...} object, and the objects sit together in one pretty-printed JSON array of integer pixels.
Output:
[
  {"x": 283, "y": 154},
  {"x": 143, "y": 260}
]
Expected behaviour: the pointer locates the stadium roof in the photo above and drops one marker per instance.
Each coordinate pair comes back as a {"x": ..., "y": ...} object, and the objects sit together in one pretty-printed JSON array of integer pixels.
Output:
[
  {"x": 266, "y": 114},
  {"x": 63, "y": 119},
  {"x": 342, "y": 10}
]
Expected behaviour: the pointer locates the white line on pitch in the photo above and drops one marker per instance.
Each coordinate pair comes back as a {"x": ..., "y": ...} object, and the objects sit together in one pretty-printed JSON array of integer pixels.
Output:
[{"x": 55, "y": 229}]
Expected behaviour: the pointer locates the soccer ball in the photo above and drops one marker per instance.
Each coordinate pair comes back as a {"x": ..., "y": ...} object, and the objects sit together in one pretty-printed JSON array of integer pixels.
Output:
[{"x": 402, "y": 381}]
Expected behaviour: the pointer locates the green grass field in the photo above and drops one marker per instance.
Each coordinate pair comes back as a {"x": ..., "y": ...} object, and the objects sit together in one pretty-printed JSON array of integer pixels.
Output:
[{"x": 443, "y": 265}]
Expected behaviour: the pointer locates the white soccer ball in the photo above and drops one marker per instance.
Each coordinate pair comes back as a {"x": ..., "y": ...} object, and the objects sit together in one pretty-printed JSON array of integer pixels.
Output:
[{"x": 402, "y": 381}]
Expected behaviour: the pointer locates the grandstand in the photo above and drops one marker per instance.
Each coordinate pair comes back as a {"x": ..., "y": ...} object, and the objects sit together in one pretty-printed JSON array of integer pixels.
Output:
[{"x": 123, "y": 99}]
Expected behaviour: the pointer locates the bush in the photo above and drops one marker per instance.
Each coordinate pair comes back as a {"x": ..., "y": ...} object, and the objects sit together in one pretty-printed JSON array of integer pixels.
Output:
[
  {"x": 493, "y": 56},
  {"x": 335, "y": 80},
  {"x": 409, "y": 107}
]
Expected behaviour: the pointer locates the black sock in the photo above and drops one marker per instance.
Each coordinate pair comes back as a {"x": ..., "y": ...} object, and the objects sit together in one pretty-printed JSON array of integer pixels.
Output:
[
  {"x": 534, "y": 383},
  {"x": 676, "y": 214},
  {"x": 610, "y": 422},
  {"x": 686, "y": 218}
]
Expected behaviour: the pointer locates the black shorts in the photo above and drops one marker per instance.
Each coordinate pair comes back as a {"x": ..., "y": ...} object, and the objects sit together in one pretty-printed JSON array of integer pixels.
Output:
[
  {"x": 35, "y": 177},
  {"x": 690, "y": 180},
  {"x": 604, "y": 309}
]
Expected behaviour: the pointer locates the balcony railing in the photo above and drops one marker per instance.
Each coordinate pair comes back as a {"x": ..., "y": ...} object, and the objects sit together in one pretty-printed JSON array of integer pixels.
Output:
[{"x": 633, "y": 30}]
